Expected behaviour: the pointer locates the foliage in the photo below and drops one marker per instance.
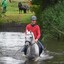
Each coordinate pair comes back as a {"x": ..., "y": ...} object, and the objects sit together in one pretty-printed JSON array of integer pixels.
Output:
[
  {"x": 24, "y": 18},
  {"x": 51, "y": 18},
  {"x": 34, "y": 8},
  {"x": 0, "y": 10},
  {"x": 12, "y": 14},
  {"x": 44, "y": 3}
]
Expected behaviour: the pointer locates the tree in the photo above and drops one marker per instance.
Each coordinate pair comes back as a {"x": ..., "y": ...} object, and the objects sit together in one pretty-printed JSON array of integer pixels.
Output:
[
  {"x": 10, "y": 1},
  {"x": 50, "y": 14}
]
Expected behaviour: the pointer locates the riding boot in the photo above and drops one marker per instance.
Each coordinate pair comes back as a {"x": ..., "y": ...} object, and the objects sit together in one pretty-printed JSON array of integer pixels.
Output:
[{"x": 25, "y": 49}]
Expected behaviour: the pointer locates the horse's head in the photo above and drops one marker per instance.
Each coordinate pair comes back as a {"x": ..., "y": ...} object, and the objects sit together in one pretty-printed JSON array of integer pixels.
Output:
[
  {"x": 29, "y": 37},
  {"x": 19, "y": 4}
]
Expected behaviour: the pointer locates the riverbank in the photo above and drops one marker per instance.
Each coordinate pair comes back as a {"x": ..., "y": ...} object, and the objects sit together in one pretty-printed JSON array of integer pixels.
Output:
[{"x": 12, "y": 27}]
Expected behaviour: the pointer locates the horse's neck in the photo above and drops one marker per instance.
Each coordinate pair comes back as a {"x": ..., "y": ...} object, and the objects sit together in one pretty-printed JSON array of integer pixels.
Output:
[{"x": 33, "y": 39}]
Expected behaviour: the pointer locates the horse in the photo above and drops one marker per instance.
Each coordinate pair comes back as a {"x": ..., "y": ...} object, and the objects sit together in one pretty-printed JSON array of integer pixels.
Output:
[
  {"x": 23, "y": 7},
  {"x": 32, "y": 47}
]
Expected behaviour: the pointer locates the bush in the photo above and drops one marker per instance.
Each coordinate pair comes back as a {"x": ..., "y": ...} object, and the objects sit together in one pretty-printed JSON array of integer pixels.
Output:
[
  {"x": 24, "y": 18},
  {"x": 50, "y": 16},
  {"x": 0, "y": 10},
  {"x": 53, "y": 20}
]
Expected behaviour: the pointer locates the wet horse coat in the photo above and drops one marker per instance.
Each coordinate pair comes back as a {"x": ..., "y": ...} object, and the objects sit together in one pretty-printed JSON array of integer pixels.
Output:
[{"x": 33, "y": 49}]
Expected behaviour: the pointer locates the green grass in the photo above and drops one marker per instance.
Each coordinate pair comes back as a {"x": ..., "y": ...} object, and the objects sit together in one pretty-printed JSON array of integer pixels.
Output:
[
  {"x": 12, "y": 14},
  {"x": 22, "y": 18}
]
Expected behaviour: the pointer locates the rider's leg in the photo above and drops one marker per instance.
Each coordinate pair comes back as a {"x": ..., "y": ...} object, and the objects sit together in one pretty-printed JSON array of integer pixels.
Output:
[
  {"x": 25, "y": 49},
  {"x": 41, "y": 47},
  {"x": 41, "y": 44}
]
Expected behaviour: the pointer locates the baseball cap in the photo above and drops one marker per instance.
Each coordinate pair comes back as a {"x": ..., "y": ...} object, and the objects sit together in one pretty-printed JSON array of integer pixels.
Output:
[{"x": 33, "y": 18}]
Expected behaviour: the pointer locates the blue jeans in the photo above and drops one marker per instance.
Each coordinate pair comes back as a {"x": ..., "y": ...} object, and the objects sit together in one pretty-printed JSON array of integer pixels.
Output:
[{"x": 41, "y": 46}]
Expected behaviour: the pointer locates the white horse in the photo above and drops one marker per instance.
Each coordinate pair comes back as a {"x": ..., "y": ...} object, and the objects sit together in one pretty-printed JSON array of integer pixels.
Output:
[{"x": 33, "y": 49}]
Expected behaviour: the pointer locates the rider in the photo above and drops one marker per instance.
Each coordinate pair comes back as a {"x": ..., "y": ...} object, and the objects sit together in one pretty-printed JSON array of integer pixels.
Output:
[
  {"x": 4, "y": 5},
  {"x": 36, "y": 31}
]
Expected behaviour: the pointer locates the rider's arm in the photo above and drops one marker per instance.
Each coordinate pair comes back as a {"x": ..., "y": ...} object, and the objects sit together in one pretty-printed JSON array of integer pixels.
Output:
[
  {"x": 38, "y": 31},
  {"x": 27, "y": 28}
]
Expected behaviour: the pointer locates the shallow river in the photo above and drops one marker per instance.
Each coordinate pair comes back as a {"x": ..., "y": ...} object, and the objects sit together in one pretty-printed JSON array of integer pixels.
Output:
[{"x": 11, "y": 44}]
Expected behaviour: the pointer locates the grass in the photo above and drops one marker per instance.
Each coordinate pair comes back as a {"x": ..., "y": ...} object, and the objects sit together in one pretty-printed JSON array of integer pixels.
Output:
[{"x": 12, "y": 14}]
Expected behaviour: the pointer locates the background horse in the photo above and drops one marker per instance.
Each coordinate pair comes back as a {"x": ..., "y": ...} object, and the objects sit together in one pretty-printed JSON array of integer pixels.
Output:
[
  {"x": 33, "y": 49},
  {"x": 22, "y": 7}
]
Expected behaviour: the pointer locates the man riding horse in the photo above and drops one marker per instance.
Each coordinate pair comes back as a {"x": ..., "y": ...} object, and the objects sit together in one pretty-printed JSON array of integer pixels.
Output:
[{"x": 36, "y": 31}]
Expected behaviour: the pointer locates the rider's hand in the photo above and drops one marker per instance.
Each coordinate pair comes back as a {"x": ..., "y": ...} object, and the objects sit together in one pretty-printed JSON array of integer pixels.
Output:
[{"x": 36, "y": 40}]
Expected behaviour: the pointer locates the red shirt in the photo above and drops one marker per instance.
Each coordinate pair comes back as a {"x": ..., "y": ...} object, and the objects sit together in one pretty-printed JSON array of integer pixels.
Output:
[{"x": 35, "y": 29}]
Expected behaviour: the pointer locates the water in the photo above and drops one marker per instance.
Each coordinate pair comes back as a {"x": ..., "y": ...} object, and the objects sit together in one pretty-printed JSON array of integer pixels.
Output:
[
  {"x": 11, "y": 44},
  {"x": 56, "y": 48}
]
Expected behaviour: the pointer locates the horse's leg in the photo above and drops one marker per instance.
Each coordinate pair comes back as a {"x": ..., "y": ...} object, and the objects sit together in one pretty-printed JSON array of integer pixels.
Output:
[{"x": 24, "y": 10}]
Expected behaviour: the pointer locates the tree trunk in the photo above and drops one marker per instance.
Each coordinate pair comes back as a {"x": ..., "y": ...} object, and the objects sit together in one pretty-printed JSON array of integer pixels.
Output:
[{"x": 10, "y": 1}]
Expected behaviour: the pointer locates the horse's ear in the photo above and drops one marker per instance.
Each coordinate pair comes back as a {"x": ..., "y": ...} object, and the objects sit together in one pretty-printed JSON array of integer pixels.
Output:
[{"x": 27, "y": 31}]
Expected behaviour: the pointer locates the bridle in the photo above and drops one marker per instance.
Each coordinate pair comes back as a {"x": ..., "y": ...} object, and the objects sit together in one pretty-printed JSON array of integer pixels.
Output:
[{"x": 30, "y": 43}]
